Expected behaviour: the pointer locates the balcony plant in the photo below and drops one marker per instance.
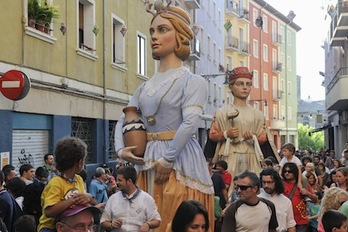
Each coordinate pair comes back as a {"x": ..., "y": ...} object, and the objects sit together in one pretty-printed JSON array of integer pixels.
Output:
[
  {"x": 42, "y": 15},
  {"x": 33, "y": 10}
]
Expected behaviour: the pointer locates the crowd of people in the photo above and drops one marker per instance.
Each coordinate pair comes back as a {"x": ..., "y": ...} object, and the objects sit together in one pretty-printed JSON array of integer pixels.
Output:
[{"x": 247, "y": 186}]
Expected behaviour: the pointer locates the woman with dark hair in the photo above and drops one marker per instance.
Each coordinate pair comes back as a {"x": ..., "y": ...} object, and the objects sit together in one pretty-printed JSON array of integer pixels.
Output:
[
  {"x": 173, "y": 167},
  {"x": 342, "y": 178},
  {"x": 323, "y": 176},
  {"x": 190, "y": 216}
]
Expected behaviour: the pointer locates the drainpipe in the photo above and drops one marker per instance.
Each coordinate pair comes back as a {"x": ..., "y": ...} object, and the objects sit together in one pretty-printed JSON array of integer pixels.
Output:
[{"x": 106, "y": 126}]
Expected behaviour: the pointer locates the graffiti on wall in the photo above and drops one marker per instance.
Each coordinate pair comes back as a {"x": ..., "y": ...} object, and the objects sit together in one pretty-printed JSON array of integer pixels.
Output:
[{"x": 26, "y": 158}]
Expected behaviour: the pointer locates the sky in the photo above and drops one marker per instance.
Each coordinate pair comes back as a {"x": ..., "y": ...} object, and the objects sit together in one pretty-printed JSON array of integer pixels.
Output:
[{"x": 310, "y": 16}]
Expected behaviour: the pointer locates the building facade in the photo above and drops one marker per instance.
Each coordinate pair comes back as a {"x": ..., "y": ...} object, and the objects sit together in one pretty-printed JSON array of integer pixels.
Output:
[
  {"x": 336, "y": 73},
  {"x": 83, "y": 69}
]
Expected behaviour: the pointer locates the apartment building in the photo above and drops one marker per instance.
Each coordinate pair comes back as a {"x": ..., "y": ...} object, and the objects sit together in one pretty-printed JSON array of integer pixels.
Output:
[
  {"x": 83, "y": 66},
  {"x": 336, "y": 73}
]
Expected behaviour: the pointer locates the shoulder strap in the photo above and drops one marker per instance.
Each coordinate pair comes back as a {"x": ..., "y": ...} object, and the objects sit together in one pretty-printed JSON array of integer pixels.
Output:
[{"x": 292, "y": 191}]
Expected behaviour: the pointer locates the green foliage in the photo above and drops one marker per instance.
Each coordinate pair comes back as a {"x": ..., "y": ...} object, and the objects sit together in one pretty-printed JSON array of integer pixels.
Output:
[
  {"x": 309, "y": 141},
  {"x": 41, "y": 12}
]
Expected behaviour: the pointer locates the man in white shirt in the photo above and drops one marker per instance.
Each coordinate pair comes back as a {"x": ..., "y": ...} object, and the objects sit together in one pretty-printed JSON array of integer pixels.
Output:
[
  {"x": 273, "y": 190},
  {"x": 130, "y": 209}
]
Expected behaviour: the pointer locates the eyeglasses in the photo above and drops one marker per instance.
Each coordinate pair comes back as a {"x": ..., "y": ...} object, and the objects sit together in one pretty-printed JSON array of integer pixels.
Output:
[
  {"x": 82, "y": 228},
  {"x": 267, "y": 182},
  {"x": 288, "y": 171},
  {"x": 243, "y": 187}
]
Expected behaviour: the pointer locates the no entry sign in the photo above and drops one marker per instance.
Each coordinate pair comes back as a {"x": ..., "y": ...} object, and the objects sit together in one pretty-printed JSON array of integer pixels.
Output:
[{"x": 14, "y": 85}]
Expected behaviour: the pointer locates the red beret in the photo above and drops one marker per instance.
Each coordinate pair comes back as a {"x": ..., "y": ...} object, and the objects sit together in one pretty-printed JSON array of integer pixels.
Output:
[{"x": 240, "y": 72}]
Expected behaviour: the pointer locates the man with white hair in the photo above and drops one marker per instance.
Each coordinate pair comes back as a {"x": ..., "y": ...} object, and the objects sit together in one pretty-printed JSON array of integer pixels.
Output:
[{"x": 98, "y": 187}]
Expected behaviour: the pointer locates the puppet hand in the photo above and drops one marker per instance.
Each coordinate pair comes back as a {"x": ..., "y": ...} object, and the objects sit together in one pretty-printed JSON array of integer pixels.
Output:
[{"x": 128, "y": 155}]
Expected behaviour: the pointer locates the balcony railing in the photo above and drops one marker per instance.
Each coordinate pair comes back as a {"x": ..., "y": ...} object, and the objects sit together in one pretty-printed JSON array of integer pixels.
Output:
[
  {"x": 336, "y": 96},
  {"x": 276, "y": 38},
  {"x": 339, "y": 23},
  {"x": 277, "y": 67},
  {"x": 232, "y": 43},
  {"x": 234, "y": 9},
  {"x": 244, "y": 48}
]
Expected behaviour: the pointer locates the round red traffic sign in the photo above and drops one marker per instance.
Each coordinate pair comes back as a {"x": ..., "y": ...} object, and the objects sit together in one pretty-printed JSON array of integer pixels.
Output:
[{"x": 14, "y": 85}]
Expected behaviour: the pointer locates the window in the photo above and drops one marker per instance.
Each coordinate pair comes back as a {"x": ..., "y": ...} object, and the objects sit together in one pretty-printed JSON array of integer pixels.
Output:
[
  {"x": 202, "y": 40},
  {"x": 266, "y": 113},
  {"x": 214, "y": 12},
  {"x": 289, "y": 113},
  {"x": 38, "y": 25},
  {"x": 265, "y": 52},
  {"x": 289, "y": 88},
  {"x": 118, "y": 42},
  {"x": 112, "y": 152},
  {"x": 256, "y": 105},
  {"x": 215, "y": 93},
  {"x": 255, "y": 15},
  {"x": 141, "y": 45},
  {"x": 282, "y": 113},
  {"x": 288, "y": 37},
  {"x": 83, "y": 128},
  {"x": 256, "y": 79},
  {"x": 282, "y": 86},
  {"x": 86, "y": 26},
  {"x": 274, "y": 32},
  {"x": 265, "y": 81},
  {"x": 274, "y": 59},
  {"x": 281, "y": 32},
  {"x": 256, "y": 48},
  {"x": 275, "y": 87},
  {"x": 229, "y": 63},
  {"x": 214, "y": 52},
  {"x": 220, "y": 56},
  {"x": 275, "y": 111},
  {"x": 265, "y": 23},
  {"x": 209, "y": 50},
  {"x": 288, "y": 63}
]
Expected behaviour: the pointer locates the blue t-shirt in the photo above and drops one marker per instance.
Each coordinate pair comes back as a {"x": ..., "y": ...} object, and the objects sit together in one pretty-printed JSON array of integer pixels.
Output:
[{"x": 98, "y": 190}]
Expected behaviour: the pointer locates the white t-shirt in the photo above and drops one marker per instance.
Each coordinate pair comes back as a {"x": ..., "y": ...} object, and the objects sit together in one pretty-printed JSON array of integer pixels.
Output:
[
  {"x": 294, "y": 159},
  {"x": 285, "y": 215}
]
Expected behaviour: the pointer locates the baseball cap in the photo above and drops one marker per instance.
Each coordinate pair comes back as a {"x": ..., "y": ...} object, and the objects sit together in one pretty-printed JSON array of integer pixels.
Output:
[{"x": 77, "y": 209}]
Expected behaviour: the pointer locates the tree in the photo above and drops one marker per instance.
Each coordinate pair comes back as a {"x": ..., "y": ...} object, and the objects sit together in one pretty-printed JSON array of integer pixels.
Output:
[{"x": 308, "y": 140}]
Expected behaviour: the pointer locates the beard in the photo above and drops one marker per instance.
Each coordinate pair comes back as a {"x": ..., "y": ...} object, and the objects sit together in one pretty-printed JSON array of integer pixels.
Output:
[{"x": 268, "y": 190}]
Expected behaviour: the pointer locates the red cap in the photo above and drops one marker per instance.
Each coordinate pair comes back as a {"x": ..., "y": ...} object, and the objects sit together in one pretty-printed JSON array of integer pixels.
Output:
[{"x": 240, "y": 72}]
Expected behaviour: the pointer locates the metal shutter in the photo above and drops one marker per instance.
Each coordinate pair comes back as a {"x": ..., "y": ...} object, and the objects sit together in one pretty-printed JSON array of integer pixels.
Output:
[{"x": 29, "y": 146}]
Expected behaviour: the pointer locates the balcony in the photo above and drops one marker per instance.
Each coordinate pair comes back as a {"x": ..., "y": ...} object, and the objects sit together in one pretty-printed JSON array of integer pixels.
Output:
[
  {"x": 336, "y": 91},
  {"x": 339, "y": 24},
  {"x": 244, "y": 48},
  {"x": 277, "y": 124},
  {"x": 277, "y": 95},
  {"x": 277, "y": 67},
  {"x": 232, "y": 43},
  {"x": 195, "y": 50},
  {"x": 193, "y": 4},
  {"x": 234, "y": 9},
  {"x": 276, "y": 39}
]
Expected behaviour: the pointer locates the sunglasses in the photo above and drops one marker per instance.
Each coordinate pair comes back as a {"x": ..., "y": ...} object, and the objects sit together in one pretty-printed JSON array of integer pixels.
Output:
[
  {"x": 243, "y": 187},
  {"x": 288, "y": 171}
]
